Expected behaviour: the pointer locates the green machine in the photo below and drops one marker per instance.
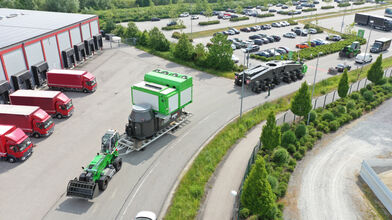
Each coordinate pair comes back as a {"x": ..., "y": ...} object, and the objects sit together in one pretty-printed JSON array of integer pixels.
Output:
[
  {"x": 351, "y": 50},
  {"x": 100, "y": 170}
]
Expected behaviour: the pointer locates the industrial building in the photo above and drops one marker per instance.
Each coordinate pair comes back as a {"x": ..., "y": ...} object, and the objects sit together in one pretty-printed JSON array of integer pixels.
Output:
[{"x": 31, "y": 42}]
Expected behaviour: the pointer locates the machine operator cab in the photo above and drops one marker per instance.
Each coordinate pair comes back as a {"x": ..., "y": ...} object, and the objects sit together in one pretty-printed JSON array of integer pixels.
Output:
[{"x": 109, "y": 141}]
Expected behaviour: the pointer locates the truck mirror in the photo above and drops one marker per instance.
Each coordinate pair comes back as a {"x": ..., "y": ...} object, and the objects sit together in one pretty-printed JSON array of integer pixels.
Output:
[{"x": 82, "y": 168}]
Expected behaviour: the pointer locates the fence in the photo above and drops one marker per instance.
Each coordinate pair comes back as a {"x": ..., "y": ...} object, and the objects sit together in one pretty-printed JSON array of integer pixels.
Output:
[
  {"x": 289, "y": 117},
  {"x": 375, "y": 183}
]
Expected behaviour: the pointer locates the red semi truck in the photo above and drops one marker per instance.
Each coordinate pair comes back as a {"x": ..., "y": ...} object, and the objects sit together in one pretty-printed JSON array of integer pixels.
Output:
[
  {"x": 53, "y": 102},
  {"x": 14, "y": 144},
  {"x": 78, "y": 80},
  {"x": 31, "y": 119}
]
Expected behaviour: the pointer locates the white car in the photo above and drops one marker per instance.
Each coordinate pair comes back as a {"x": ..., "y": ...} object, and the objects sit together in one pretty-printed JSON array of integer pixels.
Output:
[
  {"x": 235, "y": 59},
  {"x": 146, "y": 215},
  {"x": 226, "y": 17},
  {"x": 194, "y": 17},
  {"x": 361, "y": 58},
  {"x": 185, "y": 14}
]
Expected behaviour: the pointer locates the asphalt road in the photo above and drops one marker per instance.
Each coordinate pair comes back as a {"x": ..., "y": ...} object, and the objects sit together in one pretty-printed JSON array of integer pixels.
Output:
[
  {"x": 148, "y": 25},
  {"x": 324, "y": 184}
]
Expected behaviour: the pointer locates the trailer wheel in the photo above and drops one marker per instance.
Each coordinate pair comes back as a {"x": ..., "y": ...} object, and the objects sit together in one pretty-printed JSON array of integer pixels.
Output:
[
  {"x": 117, "y": 163},
  {"x": 11, "y": 159},
  {"x": 59, "y": 116},
  {"x": 103, "y": 183},
  {"x": 36, "y": 135},
  {"x": 85, "y": 90}
]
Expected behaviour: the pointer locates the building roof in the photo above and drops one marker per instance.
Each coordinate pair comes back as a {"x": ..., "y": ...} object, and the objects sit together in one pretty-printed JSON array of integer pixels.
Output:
[{"x": 18, "y": 25}]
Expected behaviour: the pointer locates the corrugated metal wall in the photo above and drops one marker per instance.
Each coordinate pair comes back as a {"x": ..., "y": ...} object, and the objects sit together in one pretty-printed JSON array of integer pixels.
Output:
[
  {"x": 14, "y": 62},
  {"x": 64, "y": 42},
  {"x": 51, "y": 52},
  {"x": 94, "y": 27},
  {"x": 2, "y": 75},
  {"x": 75, "y": 35},
  {"x": 86, "y": 31},
  {"x": 34, "y": 53}
]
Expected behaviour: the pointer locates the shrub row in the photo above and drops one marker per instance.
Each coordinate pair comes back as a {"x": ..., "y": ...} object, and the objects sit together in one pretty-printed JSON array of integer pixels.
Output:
[
  {"x": 309, "y": 9},
  {"x": 177, "y": 35},
  {"x": 265, "y": 15},
  {"x": 240, "y": 18},
  {"x": 174, "y": 27},
  {"x": 359, "y": 3},
  {"x": 204, "y": 23},
  {"x": 327, "y": 7},
  {"x": 311, "y": 53},
  {"x": 297, "y": 139},
  {"x": 318, "y": 28},
  {"x": 344, "y": 4}
]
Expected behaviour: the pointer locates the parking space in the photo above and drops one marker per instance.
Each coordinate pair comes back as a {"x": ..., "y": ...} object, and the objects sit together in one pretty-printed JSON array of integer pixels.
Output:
[{"x": 192, "y": 25}]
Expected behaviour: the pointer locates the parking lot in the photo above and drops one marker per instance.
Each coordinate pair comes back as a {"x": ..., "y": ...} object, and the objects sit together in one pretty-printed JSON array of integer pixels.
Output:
[{"x": 148, "y": 25}]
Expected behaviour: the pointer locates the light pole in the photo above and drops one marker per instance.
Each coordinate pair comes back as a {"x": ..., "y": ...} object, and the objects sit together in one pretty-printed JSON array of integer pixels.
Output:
[
  {"x": 314, "y": 84},
  {"x": 367, "y": 43},
  {"x": 191, "y": 19},
  {"x": 246, "y": 54},
  {"x": 341, "y": 27}
]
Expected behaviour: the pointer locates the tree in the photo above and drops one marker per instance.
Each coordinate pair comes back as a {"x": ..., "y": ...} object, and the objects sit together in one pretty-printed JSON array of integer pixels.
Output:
[
  {"x": 220, "y": 53},
  {"x": 208, "y": 12},
  {"x": 144, "y": 38},
  {"x": 158, "y": 41},
  {"x": 239, "y": 9},
  {"x": 184, "y": 48},
  {"x": 257, "y": 195},
  {"x": 343, "y": 85},
  {"x": 199, "y": 6},
  {"x": 173, "y": 14},
  {"x": 301, "y": 104},
  {"x": 270, "y": 136},
  {"x": 62, "y": 5},
  {"x": 376, "y": 72},
  {"x": 200, "y": 55},
  {"x": 109, "y": 25},
  {"x": 132, "y": 30}
]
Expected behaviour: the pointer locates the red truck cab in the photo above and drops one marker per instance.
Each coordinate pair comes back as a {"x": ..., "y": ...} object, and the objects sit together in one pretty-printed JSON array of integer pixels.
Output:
[
  {"x": 78, "y": 80},
  {"x": 14, "y": 144},
  {"x": 31, "y": 119},
  {"x": 53, "y": 102}
]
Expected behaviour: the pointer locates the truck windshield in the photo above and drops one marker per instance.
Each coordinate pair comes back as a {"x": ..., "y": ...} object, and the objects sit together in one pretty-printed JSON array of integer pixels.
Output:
[
  {"x": 68, "y": 105},
  {"x": 22, "y": 146},
  {"x": 45, "y": 124},
  {"x": 91, "y": 83},
  {"x": 377, "y": 45}
]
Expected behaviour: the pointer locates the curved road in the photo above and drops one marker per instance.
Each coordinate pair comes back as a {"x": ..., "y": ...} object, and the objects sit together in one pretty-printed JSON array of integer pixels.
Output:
[{"x": 324, "y": 185}]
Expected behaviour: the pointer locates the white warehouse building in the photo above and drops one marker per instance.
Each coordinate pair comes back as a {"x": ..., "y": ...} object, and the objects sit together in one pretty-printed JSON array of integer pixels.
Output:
[{"x": 31, "y": 42}]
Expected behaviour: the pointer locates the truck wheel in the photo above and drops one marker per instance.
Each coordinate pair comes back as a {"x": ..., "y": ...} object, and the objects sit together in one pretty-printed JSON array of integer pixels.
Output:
[
  {"x": 11, "y": 159},
  {"x": 36, "y": 135},
  {"x": 59, "y": 116},
  {"x": 351, "y": 55},
  {"x": 117, "y": 163},
  {"x": 103, "y": 183},
  {"x": 85, "y": 90}
]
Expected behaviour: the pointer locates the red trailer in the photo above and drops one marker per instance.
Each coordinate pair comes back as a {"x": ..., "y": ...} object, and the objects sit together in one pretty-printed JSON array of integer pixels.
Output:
[
  {"x": 31, "y": 119},
  {"x": 53, "y": 102},
  {"x": 78, "y": 80},
  {"x": 14, "y": 144}
]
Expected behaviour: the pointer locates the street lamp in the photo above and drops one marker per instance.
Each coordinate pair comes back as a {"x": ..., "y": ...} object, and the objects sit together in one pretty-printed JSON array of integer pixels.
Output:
[
  {"x": 341, "y": 27},
  {"x": 367, "y": 43},
  {"x": 246, "y": 54},
  {"x": 314, "y": 84},
  {"x": 191, "y": 19}
]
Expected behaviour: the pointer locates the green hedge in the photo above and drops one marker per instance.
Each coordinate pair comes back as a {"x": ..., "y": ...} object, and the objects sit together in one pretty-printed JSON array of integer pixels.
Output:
[
  {"x": 173, "y": 27},
  {"x": 311, "y": 53},
  {"x": 327, "y": 7},
  {"x": 359, "y": 3},
  {"x": 327, "y": 120},
  {"x": 309, "y": 9},
  {"x": 204, "y": 23},
  {"x": 345, "y": 4},
  {"x": 243, "y": 18},
  {"x": 265, "y": 15}
]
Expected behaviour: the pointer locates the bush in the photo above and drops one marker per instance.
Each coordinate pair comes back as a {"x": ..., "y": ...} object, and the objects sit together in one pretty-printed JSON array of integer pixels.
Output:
[
  {"x": 369, "y": 86},
  {"x": 309, "y": 9},
  {"x": 328, "y": 116},
  {"x": 319, "y": 134},
  {"x": 288, "y": 137},
  {"x": 334, "y": 125},
  {"x": 344, "y": 4},
  {"x": 273, "y": 182},
  {"x": 265, "y": 15},
  {"x": 204, "y": 23},
  {"x": 300, "y": 131},
  {"x": 282, "y": 188},
  {"x": 244, "y": 213},
  {"x": 387, "y": 88},
  {"x": 313, "y": 116},
  {"x": 285, "y": 127},
  {"x": 174, "y": 27},
  {"x": 297, "y": 155},
  {"x": 327, "y": 7},
  {"x": 368, "y": 96},
  {"x": 359, "y": 3},
  {"x": 341, "y": 109},
  {"x": 354, "y": 95},
  {"x": 309, "y": 145},
  {"x": 350, "y": 105},
  {"x": 292, "y": 162},
  {"x": 291, "y": 148},
  {"x": 390, "y": 80},
  {"x": 280, "y": 156},
  {"x": 239, "y": 18}
]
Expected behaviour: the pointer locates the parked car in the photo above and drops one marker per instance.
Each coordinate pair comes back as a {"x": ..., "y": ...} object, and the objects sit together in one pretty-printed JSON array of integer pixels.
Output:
[
  {"x": 235, "y": 59},
  {"x": 298, "y": 7},
  {"x": 312, "y": 31},
  {"x": 234, "y": 16},
  {"x": 184, "y": 14},
  {"x": 155, "y": 19},
  {"x": 253, "y": 29},
  {"x": 245, "y": 29},
  {"x": 362, "y": 59},
  {"x": 302, "y": 45},
  {"x": 235, "y": 30},
  {"x": 236, "y": 44},
  {"x": 285, "y": 23},
  {"x": 341, "y": 67},
  {"x": 284, "y": 7},
  {"x": 271, "y": 39},
  {"x": 263, "y": 53},
  {"x": 258, "y": 42},
  {"x": 285, "y": 48},
  {"x": 252, "y": 49},
  {"x": 262, "y": 35},
  {"x": 276, "y": 38},
  {"x": 214, "y": 13},
  {"x": 272, "y": 10},
  {"x": 297, "y": 12},
  {"x": 231, "y": 32},
  {"x": 256, "y": 36},
  {"x": 316, "y": 2},
  {"x": 289, "y": 35},
  {"x": 265, "y": 40},
  {"x": 257, "y": 27},
  {"x": 226, "y": 17},
  {"x": 273, "y": 52},
  {"x": 281, "y": 51},
  {"x": 301, "y": 32},
  {"x": 172, "y": 23},
  {"x": 275, "y": 24},
  {"x": 279, "y": 5},
  {"x": 195, "y": 17},
  {"x": 319, "y": 41},
  {"x": 146, "y": 215},
  {"x": 333, "y": 37},
  {"x": 230, "y": 10},
  {"x": 295, "y": 28},
  {"x": 265, "y": 27}
]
